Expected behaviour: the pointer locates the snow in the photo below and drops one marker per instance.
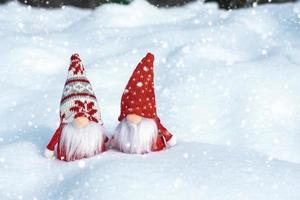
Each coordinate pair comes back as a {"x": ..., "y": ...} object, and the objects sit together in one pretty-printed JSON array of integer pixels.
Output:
[
  {"x": 227, "y": 85},
  {"x": 189, "y": 171}
]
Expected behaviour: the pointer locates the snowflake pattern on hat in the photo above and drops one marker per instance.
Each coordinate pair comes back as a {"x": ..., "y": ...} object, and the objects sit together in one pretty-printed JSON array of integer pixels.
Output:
[{"x": 78, "y": 98}]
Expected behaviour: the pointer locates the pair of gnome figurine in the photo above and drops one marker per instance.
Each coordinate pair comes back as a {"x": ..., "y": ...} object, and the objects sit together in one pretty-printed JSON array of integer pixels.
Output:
[{"x": 81, "y": 133}]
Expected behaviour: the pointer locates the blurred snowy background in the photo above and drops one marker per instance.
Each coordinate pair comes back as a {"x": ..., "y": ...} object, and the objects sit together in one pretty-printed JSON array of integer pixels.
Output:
[
  {"x": 92, "y": 4},
  {"x": 227, "y": 85}
]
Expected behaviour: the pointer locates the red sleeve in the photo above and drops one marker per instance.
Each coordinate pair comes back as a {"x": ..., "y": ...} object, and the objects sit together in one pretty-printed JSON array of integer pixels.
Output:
[
  {"x": 159, "y": 144},
  {"x": 162, "y": 130},
  {"x": 55, "y": 138}
]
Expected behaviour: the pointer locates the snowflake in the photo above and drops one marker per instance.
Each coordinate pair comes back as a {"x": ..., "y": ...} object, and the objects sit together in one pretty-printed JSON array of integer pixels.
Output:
[
  {"x": 264, "y": 52},
  {"x": 185, "y": 155},
  {"x": 196, "y": 21},
  {"x": 84, "y": 109},
  {"x": 134, "y": 51},
  {"x": 81, "y": 164},
  {"x": 60, "y": 177},
  {"x": 228, "y": 143},
  {"x": 29, "y": 123}
]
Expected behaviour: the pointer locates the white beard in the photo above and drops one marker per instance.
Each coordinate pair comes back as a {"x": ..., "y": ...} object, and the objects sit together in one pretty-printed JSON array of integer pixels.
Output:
[
  {"x": 82, "y": 142},
  {"x": 135, "y": 138}
]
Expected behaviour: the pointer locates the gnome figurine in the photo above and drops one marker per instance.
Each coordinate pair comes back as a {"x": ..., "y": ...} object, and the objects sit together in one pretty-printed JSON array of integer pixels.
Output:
[
  {"x": 140, "y": 129},
  {"x": 81, "y": 133}
]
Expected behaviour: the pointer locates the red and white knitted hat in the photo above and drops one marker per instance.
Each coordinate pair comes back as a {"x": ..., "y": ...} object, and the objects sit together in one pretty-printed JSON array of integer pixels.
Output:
[
  {"x": 78, "y": 98},
  {"x": 139, "y": 95}
]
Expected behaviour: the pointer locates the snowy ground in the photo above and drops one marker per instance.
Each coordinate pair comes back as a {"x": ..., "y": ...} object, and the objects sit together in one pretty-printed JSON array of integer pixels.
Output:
[{"x": 227, "y": 86}]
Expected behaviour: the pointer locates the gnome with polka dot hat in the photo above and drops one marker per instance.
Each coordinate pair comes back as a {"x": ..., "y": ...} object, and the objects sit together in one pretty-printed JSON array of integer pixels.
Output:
[
  {"x": 81, "y": 133},
  {"x": 140, "y": 129}
]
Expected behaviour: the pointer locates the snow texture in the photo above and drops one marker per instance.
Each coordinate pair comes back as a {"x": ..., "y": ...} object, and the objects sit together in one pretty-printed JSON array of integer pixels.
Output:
[{"x": 227, "y": 85}]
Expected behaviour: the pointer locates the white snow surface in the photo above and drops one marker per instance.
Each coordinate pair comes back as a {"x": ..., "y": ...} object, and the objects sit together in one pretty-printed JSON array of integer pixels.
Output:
[{"x": 227, "y": 85}]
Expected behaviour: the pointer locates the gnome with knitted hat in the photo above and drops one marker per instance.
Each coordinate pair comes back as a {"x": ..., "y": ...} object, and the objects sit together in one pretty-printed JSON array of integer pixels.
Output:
[
  {"x": 81, "y": 133},
  {"x": 140, "y": 129}
]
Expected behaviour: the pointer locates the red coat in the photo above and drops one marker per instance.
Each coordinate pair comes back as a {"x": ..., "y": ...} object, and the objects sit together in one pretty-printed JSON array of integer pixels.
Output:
[{"x": 60, "y": 153}]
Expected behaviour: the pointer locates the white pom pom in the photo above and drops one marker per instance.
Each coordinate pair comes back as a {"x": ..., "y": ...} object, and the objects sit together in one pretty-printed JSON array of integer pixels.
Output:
[
  {"x": 49, "y": 154},
  {"x": 172, "y": 142}
]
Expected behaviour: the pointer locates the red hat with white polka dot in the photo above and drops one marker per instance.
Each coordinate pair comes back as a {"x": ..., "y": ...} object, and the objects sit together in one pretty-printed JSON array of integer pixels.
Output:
[{"x": 139, "y": 95}]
